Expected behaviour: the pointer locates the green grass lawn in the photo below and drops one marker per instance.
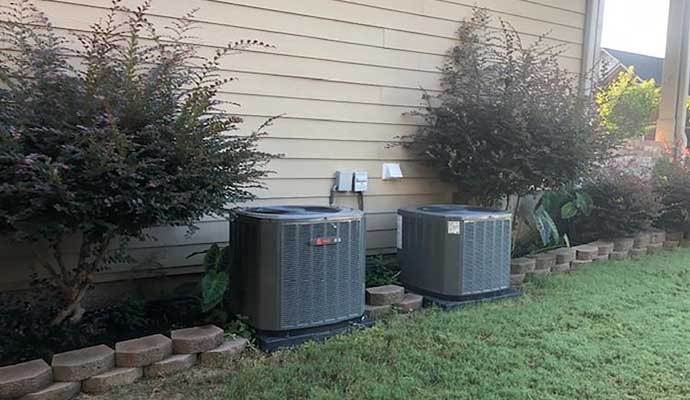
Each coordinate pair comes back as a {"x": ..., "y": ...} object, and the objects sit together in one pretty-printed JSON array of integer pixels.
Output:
[{"x": 615, "y": 330}]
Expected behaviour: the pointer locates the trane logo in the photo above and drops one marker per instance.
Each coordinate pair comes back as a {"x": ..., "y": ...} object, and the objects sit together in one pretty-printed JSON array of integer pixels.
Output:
[{"x": 325, "y": 241}]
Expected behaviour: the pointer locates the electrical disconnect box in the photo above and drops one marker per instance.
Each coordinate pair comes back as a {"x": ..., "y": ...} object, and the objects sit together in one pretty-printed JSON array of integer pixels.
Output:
[
  {"x": 361, "y": 182},
  {"x": 344, "y": 181}
]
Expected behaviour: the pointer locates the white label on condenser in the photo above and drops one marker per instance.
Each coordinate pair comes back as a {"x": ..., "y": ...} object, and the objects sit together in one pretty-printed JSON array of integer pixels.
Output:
[
  {"x": 453, "y": 227},
  {"x": 399, "y": 233}
]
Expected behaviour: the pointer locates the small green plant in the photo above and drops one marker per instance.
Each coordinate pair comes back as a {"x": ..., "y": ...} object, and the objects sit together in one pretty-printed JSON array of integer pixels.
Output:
[
  {"x": 216, "y": 279},
  {"x": 557, "y": 209},
  {"x": 381, "y": 271},
  {"x": 238, "y": 327}
]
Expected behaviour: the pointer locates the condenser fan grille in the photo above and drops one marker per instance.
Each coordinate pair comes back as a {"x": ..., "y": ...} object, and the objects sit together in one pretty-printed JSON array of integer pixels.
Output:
[
  {"x": 320, "y": 284},
  {"x": 484, "y": 250}
]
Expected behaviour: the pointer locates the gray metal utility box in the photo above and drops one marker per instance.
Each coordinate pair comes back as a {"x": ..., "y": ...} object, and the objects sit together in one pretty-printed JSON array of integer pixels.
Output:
[
  {"x": 454, "y": 251},
  {"x": 297, "y": 267}
]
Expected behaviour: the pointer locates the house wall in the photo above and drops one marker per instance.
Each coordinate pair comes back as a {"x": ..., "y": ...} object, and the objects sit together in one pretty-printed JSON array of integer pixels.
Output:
[{"x": 343, "y": 73}]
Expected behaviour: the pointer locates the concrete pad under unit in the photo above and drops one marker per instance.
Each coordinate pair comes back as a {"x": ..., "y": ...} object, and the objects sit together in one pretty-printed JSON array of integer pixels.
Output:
[
  {"x": 56, "y": 391},
  {"x": 77, "y": 365},
  {"x": 385, "y": 295},
  {"x": 196, "y": 340},
  {"x": 104, "y": 382},
  {"x": 228, "y": 350},
  {"x": 27, "y": 377},
  {"x": 171, "y": 365},
  {"x": 142, "y": 351}
]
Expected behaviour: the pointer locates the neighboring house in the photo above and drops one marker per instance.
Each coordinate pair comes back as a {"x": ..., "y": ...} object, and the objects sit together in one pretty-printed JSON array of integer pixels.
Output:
[
  {"x": 344, "y": 73},
  {"x": 614, "y": 62}
]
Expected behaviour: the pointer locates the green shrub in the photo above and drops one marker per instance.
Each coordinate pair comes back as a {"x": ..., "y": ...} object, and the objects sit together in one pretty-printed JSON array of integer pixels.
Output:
[
  {"x": 672, "y": 186},
  {"x": 623, "y": 204},
  {"x": 508, "y": 120},
  {"x": 133, "y": 137},
  {"x": 381, "y": 271},
  {"x": 628, "y": 106}
]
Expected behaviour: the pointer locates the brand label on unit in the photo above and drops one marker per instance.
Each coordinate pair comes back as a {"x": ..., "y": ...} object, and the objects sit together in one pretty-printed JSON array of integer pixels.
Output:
[
  {"x": 453, "y": 227},
  {"x": 399, "y": 232}
]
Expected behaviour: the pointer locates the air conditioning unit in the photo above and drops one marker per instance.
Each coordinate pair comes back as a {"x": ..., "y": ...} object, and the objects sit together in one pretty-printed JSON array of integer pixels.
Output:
[
  {"x": 454, "y": 252},
  {"x": 297, "y": 267}
]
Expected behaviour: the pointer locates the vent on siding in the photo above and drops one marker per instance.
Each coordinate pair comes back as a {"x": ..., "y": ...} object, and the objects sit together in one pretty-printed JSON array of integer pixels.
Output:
[
  {"x": 320, "y": 284},
  {"x": 485, "y": 248}
]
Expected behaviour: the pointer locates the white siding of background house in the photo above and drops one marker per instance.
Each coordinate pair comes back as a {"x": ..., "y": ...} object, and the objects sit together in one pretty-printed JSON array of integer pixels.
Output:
[{"x": 343, "y": 73}]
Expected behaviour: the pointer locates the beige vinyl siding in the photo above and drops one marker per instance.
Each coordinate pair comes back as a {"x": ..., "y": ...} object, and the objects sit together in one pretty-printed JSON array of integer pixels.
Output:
[{"x": 343, "y": 73}]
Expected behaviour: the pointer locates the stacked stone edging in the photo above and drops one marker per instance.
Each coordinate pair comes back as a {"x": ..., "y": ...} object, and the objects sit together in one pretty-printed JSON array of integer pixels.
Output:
[
  {"x": 97, "y": 369},
  {"x": 381, "y": 300},
  {"x": 24, "y": 378},
  {"x": 573, "y": 258}
]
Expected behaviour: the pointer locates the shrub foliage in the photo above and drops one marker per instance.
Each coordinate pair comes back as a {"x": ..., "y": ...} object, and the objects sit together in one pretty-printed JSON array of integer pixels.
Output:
[
  {"x": 623, "y": 204},
  {"x": 132, "y": 136},
  {"x": 508, "y": 119},
  {"x": 671, "y": 183}
]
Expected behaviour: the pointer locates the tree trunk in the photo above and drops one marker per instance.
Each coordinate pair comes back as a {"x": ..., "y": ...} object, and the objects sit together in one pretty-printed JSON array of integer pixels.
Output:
[
  {"x": 72, "y": 309},
  {"x": 73, "y": 284}
]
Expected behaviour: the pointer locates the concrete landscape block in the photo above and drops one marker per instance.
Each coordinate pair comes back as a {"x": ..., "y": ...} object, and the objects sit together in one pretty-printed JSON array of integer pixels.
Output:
[
  {"x": 674, "y": 236},
  {"x": 654, "y": 247},
  {"x": 228, "y": 350},
  {"x": 543, "y": 261},
  {"x": 539, "y": 273},
  {"x": 517, "y": 279},
  {"x": 637, "y": 253},
  {"x": 561, "y": 268},
  {"x": 619, "y": 255},
  {"x": 197, "y": 339},
  {"x": 623, "y": 244},
  {"x": 375, "y": 312},
  {"x": 142, "y": 351},
  {"x": 411, "y": 302},
  {"x": 77, "y": 365},
  {"x": 604, "y": 257},
  {"x": 564, "y": 255},
  {"x": 170, "y": 365},
  {"x": 605, "y": 247},
  {"x": 586, "y": 253},
  {"x": 576, "y": 265},
  {"x": 385, "y": 295},
  {"x": 642, "y": 240},
  {"x": 671, "y": 244},
  {"x": 658, "y": 237},
  {"x": 522, "y": 266},
  {"x": 56, "y": 391},
  {"x": 24, "y": 378},
  {"x": 117, "y": 377}
]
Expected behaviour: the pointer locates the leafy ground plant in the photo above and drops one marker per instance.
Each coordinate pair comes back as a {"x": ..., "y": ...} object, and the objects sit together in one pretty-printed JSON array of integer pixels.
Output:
[
  {"x": 609, "y": 331},
  {"x": 381, "y": 270}
]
